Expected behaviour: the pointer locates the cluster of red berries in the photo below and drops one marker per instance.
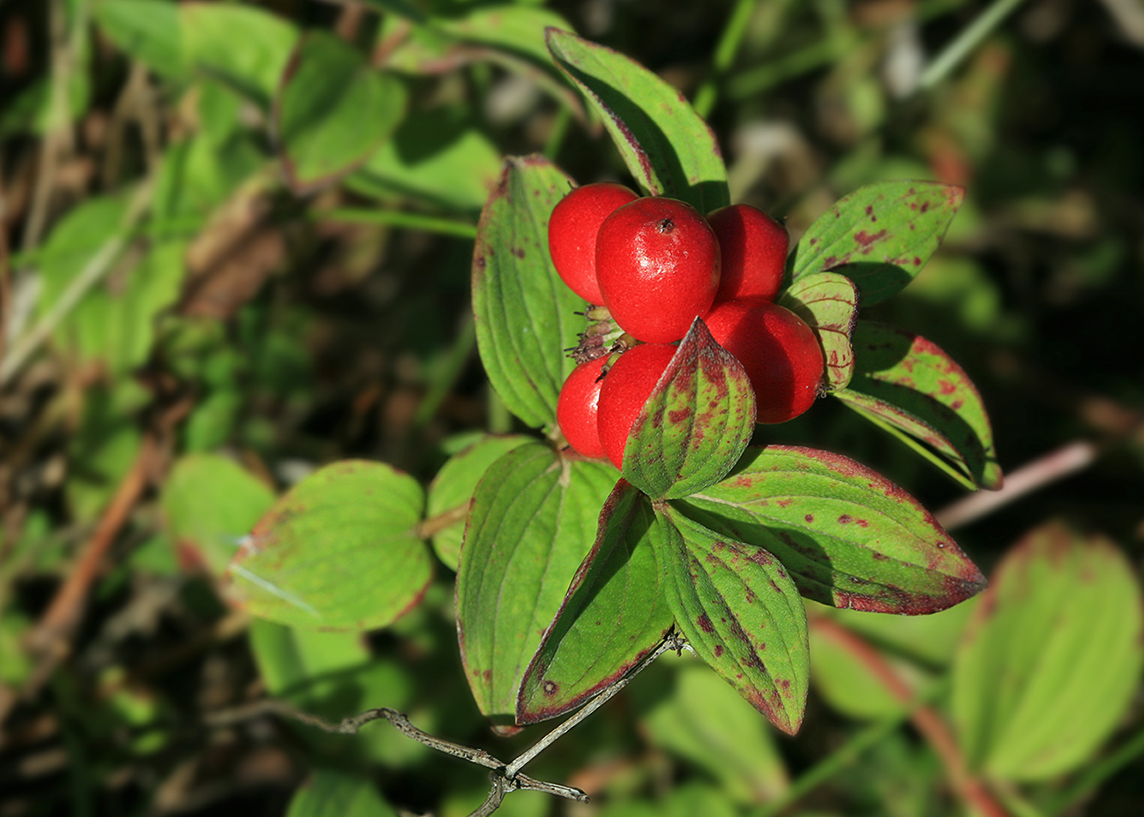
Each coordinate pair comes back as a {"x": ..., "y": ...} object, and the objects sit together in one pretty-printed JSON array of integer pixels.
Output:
[{"x": 656, "y": 264}]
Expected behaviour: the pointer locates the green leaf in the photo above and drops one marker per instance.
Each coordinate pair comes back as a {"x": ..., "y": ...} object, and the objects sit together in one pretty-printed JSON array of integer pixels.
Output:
[
  {"x": 696, "y": 422},
  {"x": 454, "y": 486},
  {"x": 612, "y": 616},
  {"x": 880, "y": 236},
  {"x": 335, "y": 793},
  {"x": 332, "y": 110},
  {"x": 848, "y": 536},
  {"x": 436, "y": 157},
  {"x": 828, "y": 302},
  {"x": 525, "y": 315},
  {"x": 533, "y": 520},
  {"x": 705, "y": 722},
  {"x": 210, "y": 502},
  {"x": 741, "y": 613},
  {"x": 1051, "y": 660},
  {"x": 145, "y": 30},
  {"x": 245, "y": 47},
  {"x": 667, "y": 147},
  {"x": 338, "y": 551},
  {"x": 910, "y": 387},
  {"x": 290, "y": 660}
]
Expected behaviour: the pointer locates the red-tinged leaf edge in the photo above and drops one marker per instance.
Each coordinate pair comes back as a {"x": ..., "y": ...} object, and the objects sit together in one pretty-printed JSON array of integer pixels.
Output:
[
  {"x": 947, "y": 415},
  {"x": 695, "y": 424},
  {"x": 620, "y": 547},
  {"x": 818, "y": 512},
  {"x": 828, "y": 301}
]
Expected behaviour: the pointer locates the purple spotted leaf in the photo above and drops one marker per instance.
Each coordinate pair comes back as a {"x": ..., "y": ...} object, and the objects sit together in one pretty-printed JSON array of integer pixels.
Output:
[
  {"x": 849, "y": 537},
  {"x": 828, "y": 301},
  {"x": 613, "y": 614},
  {"x": 532, "y": 521},
  {"x": 696, "y": 422},
  {"x": 741, "y": 612},
  {"x": 913, "y": 389},
  {"x": 880, "y": 236},
  {"x": 524, "y": 313},
  {"x": 668, "y": 148}
]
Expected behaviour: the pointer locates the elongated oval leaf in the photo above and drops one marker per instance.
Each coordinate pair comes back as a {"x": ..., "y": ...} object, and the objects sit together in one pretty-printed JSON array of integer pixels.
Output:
[
  {"x": 739, "y": 609},
  {"x": 828, "y": 301},
  {"x": 696, "y": 422},
  {"x": 880, "y": 236},
  {"x": 338, "y": 551},
  {"x": 454, "y": 485},
  {"x": 908, "y": 385},
  {"x": 1051, "y": 659},
  {"x": 533, "y": 520},
  {"x": 525, "y": 315},
  {"x": 848, "y": 536},
  {"x": 145, "y": 30},
  {"x": 613, "y": 614},
  {"x": 667, "y": 147},
  {"x": 246, "y": 48},
  {"x": 332, "y": 110}
]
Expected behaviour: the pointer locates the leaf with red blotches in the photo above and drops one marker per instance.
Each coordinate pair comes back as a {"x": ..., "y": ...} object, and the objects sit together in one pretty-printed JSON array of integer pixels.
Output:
[
  {"x": 696, "y": 422},
  {"x": 828, "y": 301},
  {"x": 612, "y": 616},
  {"x": 907, "y": 385},
  {"x": 740, "y": 611},
  {"x": 848, "y": 536},
  {"x": 880, "y": 236}
]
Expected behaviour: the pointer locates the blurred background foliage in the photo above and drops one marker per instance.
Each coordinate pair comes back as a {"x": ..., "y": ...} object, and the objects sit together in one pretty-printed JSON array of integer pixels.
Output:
[{"x": 235, "y": 247}]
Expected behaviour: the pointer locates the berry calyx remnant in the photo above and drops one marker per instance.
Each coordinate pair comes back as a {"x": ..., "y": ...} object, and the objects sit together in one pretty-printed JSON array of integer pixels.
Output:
[
  {"x": 626, "y": 388},
  {"x": 572, "y": 230},
  {"x": 779, "y": 351},
  {"x": 754, "y": 249},
  {"x": 657, "y": 262},
  {"x": 576, "y": 408}
]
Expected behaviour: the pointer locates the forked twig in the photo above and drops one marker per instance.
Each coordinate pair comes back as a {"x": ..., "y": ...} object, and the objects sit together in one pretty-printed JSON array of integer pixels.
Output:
[{"x": 505, "y": 778}]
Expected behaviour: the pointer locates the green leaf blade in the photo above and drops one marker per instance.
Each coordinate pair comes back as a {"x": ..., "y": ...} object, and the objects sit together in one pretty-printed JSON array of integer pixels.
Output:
[
  {"x": 612, "y": 616},
  {"x": 532, "y": 522},
  {"x": 880, "y": 236},
  {"x": 454, "y": 486},
  {"x": 741, "y": 613},
  {"x": 828, "y": 301},
  {"x": 339, "y": 551},
  {"x": 524, "y": 313},
  {"x": 849, "y": 537},
  {"x": 210, "y": 31},
  {"x": 908, "y": 383},
  {"x": 332, "y": 110},
  {"x": 695, "y": 424},
  {"x": 1051, "y": 659},
  {"x": 666, "y": 146}
]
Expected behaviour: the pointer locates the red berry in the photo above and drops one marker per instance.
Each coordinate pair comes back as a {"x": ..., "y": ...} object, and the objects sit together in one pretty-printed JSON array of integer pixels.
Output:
[
  {"x": 576, "y": 408},
  {"x": 626, "y": 388},
  {"x": 657, "y": 261},
  {"x": 572, "y": 230},
  {"x": 778, "y": 349},
  {"x": 754, "y": 250}
]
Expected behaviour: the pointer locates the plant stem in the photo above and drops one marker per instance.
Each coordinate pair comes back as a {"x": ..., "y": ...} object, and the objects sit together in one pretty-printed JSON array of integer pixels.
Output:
[
  {"x": 397, "y": 218},
  {"x": 670, "y": 642},
  {"x": 724, "y": 54},
  {"x": 1094, "y": 775},
  {"x": 969, "y": 39}
]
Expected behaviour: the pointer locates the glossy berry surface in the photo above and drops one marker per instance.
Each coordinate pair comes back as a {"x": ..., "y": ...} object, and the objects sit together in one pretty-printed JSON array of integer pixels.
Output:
[
  {"x": 657, "y": 260},
  {"x": 572, "y": 231},
  {"x": 626, "y": 388},
  {"x": 779, "y": 351},
  {"x": 754, "y": 249},
  {"x": 576, "y": 408}
]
